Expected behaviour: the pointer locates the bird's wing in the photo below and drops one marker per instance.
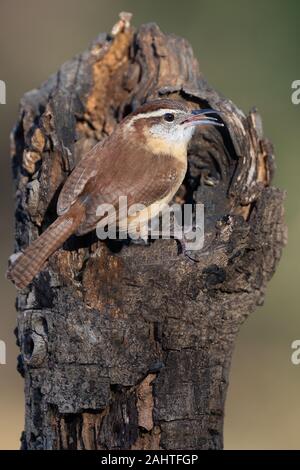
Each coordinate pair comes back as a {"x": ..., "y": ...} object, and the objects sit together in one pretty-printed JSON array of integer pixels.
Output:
[
  {"x": 85, "y": 169},
  {"x": 143, "y": 181}
]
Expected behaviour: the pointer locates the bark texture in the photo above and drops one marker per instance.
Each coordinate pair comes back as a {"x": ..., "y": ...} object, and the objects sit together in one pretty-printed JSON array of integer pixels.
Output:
[{"x": 127, "y": 346}]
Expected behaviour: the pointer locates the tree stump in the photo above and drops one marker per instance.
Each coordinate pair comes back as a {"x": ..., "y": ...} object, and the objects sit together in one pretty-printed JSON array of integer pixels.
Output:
[{"x": 125, "y": 346}]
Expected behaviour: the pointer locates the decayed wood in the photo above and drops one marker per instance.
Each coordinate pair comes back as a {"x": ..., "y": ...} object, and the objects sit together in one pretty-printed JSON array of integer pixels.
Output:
[{"x": 127, "y": 346}]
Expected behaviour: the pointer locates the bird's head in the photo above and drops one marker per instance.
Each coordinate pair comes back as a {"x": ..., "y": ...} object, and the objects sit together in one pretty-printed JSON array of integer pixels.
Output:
[{"x": 166, "y": 126}]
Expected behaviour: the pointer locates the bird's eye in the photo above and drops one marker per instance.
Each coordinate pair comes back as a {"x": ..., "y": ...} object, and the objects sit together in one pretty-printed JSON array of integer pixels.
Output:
[{"x": 169, "y": 117}]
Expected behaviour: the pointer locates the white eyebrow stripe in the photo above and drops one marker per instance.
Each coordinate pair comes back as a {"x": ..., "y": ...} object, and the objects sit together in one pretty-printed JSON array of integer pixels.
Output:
[{"x": 149, "y": 114}]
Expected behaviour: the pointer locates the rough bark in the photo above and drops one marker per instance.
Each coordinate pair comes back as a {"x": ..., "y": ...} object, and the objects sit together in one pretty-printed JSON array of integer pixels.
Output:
[{"x": 127, "y": 346}]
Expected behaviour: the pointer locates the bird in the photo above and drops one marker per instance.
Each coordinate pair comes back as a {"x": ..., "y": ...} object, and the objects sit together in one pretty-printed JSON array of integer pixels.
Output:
[{"x": 144, "y": 159}]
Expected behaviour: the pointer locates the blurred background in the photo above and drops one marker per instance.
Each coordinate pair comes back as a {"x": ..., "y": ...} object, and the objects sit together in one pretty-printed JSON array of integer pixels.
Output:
[{"x": 250, "y": 52}]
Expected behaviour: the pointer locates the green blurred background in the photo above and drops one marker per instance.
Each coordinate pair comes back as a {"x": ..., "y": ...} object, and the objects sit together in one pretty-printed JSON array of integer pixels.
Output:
[{"x": 249, "y": 50}]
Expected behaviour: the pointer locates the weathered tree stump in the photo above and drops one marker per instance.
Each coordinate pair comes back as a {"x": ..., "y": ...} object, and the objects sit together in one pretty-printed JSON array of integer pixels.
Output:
[{"x": 127, "y": 346}]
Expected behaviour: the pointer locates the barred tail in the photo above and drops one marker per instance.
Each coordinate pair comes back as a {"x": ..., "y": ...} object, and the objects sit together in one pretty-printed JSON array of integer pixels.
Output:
[{"x": 29, "y": 263}]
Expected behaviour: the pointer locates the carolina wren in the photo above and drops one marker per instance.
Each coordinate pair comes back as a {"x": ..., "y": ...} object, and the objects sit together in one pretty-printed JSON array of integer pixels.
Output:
[{"x": 145, "y": 159}]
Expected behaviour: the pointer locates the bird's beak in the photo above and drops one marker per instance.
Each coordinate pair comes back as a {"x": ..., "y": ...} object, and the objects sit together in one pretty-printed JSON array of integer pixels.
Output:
[{"x": 198, "y": 117}]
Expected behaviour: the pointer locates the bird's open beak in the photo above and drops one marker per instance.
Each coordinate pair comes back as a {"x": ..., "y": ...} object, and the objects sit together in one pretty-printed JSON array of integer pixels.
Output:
[{"x": 199, "y": 117}]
